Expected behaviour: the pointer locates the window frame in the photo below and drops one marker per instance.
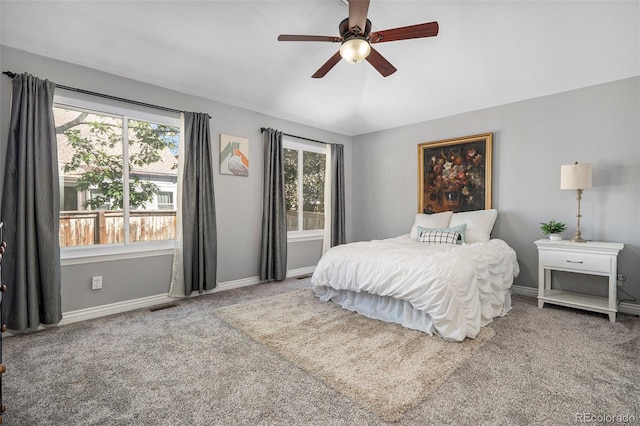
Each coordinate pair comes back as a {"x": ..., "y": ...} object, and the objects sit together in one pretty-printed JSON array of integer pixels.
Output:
[
  {"x": 304, "y": 235},
  {"x": 117, "y": 251}
]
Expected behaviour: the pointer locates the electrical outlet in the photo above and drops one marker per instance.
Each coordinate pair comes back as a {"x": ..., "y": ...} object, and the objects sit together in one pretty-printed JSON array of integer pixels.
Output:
[{"x": 96, "y": 282}]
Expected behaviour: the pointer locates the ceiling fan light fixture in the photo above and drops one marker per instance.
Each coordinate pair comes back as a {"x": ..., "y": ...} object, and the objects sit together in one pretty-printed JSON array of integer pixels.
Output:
[
  {"x": 356, "y": 38},
  {"x": 355, "y": 50}
]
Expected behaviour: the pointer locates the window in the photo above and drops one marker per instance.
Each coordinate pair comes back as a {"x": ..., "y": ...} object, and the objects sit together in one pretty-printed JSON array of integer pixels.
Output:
[
  {"x": 165, "y": 200},
  {"x": 118, "y": 174},
  {"x": 69, "y": 197},
  {"x": 95, "y": 198},
  {"x": 304, "y": 173}
]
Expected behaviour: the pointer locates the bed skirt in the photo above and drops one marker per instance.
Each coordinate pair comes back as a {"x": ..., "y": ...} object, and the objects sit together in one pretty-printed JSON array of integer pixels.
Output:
[{"x": 389, "y": 309}]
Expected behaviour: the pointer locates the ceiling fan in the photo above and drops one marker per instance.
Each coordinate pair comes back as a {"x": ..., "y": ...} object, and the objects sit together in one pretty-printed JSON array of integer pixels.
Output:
[{"x": 356, "y": 38}]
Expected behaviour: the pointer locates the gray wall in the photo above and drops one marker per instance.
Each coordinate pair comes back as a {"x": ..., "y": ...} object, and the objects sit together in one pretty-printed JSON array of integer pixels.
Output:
[
  {"x": 238, "y": 199},
  {"x": 532, "y": 139}
]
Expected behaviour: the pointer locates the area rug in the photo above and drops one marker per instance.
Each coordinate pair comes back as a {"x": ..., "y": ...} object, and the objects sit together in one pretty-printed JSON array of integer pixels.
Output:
[{"x": 384, "y": 367}]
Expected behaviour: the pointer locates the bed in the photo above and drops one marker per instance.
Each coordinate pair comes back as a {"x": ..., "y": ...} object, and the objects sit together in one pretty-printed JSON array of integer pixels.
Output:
[{"x": 447, "y": 276}]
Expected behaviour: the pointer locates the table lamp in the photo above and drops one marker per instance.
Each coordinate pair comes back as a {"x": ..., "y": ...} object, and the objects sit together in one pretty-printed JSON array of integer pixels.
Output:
[{"x": 576, "y": 176}]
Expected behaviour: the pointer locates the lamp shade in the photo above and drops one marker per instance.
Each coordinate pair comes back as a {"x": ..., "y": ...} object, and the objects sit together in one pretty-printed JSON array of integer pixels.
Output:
[
  {"x": 355, "y": 50},
  {"x": 575, "y": 176}
]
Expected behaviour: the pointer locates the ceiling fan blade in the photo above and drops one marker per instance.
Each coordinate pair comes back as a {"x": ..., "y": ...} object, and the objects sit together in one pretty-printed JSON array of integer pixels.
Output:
[
  {"x": 324, "y": 69},
  {"x": 383, "y": 66},
  {"x": 428, "y": 29},
  {"x": 293, "y": 37},
  {"x": 358, "y": 10}
]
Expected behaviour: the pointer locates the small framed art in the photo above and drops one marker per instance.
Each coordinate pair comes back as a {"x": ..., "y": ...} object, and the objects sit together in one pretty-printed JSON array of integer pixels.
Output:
[{"x": 234, "y": 155}]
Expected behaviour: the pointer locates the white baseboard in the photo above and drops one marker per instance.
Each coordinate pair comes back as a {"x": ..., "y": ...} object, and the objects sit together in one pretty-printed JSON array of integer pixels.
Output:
[
  {"x": 113, "y": 308},
  {"x": 244, "y": 282},
  {"x": 624, "y": 307},
  {"x": 524, "y": 291},
  {"x": 145, "y": 302},
  {"x": 229, "y": 285},
  {"x": 300, "y": 271},
  {"x": 629, "y": 308}
]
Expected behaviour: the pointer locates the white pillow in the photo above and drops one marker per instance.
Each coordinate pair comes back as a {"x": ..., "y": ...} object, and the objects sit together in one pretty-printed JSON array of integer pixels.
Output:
[
  {"x": 435, "y": 220},
  {"x": 479, "y": 224}
]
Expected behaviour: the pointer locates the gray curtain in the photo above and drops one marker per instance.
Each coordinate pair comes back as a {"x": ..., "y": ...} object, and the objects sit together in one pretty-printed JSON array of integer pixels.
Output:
[
  {"x": 338, "y": 235},
  {"x": 30, "y": 209},
  {"x": 200, "y": 246},
  {"x": 273, "y": 249}
]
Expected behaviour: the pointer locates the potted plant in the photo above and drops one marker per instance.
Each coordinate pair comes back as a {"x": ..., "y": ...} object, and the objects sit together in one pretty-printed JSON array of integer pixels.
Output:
[{"x": 553, "y": 229}]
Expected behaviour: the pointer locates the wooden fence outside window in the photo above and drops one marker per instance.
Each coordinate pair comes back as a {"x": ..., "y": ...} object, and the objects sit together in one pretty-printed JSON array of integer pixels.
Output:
[{"x": 84, "y": 228}]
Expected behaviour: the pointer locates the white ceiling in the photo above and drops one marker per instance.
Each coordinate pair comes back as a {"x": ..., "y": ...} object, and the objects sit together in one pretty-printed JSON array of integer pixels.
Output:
[{"x": 487, "y": 52}]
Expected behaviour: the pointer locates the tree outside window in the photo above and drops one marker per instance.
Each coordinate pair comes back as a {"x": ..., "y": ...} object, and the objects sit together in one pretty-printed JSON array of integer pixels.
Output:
[
  {"x": 116, "y": 167},
  {"x": 304, "y": 172}
]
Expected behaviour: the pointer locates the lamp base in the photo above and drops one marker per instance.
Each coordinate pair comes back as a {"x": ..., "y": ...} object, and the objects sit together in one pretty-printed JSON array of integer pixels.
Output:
[{"x": 578, "y": 239}]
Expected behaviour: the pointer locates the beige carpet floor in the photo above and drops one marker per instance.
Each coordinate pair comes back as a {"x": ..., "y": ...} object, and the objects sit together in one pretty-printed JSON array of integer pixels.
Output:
[
  {"x": 385, "y": 367},
  {"x": 187, "y": 365}
]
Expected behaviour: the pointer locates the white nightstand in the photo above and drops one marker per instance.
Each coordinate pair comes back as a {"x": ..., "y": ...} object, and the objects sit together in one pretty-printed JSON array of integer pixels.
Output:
[{"x": 593, "y": 258}]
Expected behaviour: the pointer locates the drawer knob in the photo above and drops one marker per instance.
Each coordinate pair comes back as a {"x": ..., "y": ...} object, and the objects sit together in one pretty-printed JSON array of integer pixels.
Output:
[
  {"x": 3, "y": 328},
  {"x": 575, "y": 261},
  {"x": 3, "y": 369},
  {"x": 3, "y": 288}
]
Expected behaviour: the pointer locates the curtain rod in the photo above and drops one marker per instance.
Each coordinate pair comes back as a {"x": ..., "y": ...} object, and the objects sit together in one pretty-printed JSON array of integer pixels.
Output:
[
  {"x": 262, "y": 129},
  {"x": 102, "y": 95}
]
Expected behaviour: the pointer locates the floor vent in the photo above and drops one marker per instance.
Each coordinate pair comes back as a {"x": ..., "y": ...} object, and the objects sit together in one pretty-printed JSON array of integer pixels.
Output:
[{"x": 162, "y": 307}]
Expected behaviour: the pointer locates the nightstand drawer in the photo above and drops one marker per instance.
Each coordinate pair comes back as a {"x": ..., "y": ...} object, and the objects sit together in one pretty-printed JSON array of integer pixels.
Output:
[{"x": 576, "y": 261}]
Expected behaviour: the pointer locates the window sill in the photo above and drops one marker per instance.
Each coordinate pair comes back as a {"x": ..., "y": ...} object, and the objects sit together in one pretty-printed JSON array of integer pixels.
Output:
[
  {"x": 111, "y": 252},
  {"x": 295, "y": 237}
]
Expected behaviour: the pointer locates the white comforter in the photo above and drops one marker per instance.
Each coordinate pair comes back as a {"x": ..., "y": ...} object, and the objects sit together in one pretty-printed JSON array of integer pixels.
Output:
[{"x": 460, "y": 287}]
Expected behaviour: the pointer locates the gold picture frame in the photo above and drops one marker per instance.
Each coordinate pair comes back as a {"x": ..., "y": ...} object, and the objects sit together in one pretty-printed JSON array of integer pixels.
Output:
[{"x": 455, "y": 174}]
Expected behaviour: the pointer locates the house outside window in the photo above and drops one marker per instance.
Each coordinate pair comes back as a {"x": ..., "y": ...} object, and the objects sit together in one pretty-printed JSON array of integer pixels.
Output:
[
  {"x": 304, "y": 171},
  {"x": 118, "y": 174}
]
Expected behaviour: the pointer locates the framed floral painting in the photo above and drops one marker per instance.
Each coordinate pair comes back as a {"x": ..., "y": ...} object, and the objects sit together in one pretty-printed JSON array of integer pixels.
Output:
[{"x": 455, "y": 174}]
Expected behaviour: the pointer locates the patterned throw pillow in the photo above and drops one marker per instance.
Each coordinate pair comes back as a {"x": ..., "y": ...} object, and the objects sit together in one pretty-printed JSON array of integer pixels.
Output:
[
  {"x": 439, "y": 237},
  {"x": 459, "y": 229}
]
